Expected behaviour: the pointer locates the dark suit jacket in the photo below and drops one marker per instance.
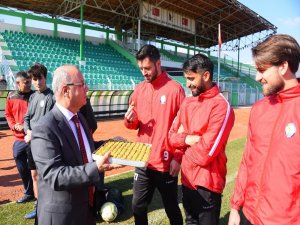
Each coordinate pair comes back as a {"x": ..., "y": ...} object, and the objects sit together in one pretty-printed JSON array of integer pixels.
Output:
[{"x": 63, "y": 178}]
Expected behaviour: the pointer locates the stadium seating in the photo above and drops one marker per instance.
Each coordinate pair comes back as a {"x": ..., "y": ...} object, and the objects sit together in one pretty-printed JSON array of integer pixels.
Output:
[
  {"x": 104, "y": 68},
  {"x": 228, "y": 72}
]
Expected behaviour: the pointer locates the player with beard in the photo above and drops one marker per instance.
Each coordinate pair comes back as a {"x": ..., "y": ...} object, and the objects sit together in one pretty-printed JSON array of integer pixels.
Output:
[
  {"x": 268, "y": 182},
  {"x": 153, "y": 107},
  {"x": 200, "y": 132}
]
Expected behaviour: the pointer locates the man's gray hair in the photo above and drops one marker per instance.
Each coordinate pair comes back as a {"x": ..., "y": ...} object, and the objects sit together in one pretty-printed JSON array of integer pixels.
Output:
[{"x": 60, "y": 77}]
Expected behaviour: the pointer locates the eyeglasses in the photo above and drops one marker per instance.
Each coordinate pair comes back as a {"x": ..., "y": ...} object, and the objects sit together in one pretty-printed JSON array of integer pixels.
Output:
[{"x": 82, "y": 84}]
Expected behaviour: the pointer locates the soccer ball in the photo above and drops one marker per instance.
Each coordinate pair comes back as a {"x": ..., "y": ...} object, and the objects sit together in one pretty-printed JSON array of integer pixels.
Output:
[{"x": 109, "y": 211}]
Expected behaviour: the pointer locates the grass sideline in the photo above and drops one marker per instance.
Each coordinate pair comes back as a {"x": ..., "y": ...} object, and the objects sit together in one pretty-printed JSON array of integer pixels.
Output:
[{"x": 13, "y": 213}]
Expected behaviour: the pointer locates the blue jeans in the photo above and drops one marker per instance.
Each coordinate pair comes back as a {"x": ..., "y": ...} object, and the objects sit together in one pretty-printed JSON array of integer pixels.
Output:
[{"x": 20, "y": 156}]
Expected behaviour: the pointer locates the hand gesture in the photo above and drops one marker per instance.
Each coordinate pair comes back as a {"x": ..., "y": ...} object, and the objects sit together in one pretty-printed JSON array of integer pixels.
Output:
[
  {"x": 130, "y": 115},
  {"x": 103, "y": 163}
]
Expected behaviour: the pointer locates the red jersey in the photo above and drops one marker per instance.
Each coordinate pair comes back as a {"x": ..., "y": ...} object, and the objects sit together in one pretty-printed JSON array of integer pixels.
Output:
[
  {"x": 15, "y": 110},
  {"x": 156, "y": 105},
  {"x": 268, "y": 182},
  {"x": 210, "y": 116}
]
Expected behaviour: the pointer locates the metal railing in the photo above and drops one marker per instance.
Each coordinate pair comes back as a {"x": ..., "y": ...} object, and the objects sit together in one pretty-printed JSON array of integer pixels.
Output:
[{"x": 7, "y": 72}]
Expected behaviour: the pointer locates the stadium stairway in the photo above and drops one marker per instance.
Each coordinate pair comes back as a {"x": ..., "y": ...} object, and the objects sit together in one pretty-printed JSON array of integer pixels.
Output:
[{"x": 8, "y": 55}]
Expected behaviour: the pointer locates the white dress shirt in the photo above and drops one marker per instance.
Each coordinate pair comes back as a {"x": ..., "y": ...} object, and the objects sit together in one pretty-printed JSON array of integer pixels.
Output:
[{"x": 69, "y": 115}]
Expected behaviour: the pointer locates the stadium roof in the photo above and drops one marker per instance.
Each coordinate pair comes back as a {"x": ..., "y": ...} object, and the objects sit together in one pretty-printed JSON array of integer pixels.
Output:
[{"x": 237, "y": 21}]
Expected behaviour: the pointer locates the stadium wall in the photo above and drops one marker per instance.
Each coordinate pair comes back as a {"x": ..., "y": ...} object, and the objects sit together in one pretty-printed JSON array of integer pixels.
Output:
[
  {"x": 105, "y": 104},
  {"x": 109, "y": 104}
]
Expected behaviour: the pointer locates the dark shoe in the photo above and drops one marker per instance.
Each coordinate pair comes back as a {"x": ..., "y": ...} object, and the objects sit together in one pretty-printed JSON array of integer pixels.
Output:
[
  {"x": 25, "y": 198},
  {"x": 31, "y": 215}
]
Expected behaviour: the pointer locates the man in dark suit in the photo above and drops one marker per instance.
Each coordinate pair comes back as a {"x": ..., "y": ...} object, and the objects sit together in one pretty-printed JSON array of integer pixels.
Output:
[{"x": 62, "y": 147}]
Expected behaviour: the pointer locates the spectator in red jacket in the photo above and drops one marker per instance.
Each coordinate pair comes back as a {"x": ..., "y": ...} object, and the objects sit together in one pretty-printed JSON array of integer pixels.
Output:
[
  {"x": 153, "y": 107},
  {"x": 201, "y": 131},
  {"x": 16, "y": 108},
  {"x": 267, "y": 187}
]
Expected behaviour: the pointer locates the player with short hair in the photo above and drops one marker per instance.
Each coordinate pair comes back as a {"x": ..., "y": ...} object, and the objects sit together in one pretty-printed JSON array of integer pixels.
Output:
[
  {"x": 15, "y": 109},
  {"x": 153, "y": 107},
  {"x": 200, "y": 132},
  {"x": 41, "y": 102}
]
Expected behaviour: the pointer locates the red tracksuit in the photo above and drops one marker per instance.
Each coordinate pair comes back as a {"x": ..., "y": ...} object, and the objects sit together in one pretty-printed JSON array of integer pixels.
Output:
[
  {"x": 268, "y": 182},
  {"x": 15, "y": 109},
  {"x": 210, "y": 116},
  {"x": 156, "y": 106}
]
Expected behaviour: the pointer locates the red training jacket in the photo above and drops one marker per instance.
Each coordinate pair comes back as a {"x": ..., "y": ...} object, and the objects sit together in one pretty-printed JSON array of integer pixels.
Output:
[
  {"x": 15, "y": 109},
  {"x": 156, "y": 105},
  {"x": 210, "y": 116},
  {"x": 268, "y": 182}
]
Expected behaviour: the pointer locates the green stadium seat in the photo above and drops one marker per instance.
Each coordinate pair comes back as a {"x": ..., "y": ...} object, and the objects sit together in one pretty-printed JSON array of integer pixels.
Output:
[{"x": 102, "y": 61}]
